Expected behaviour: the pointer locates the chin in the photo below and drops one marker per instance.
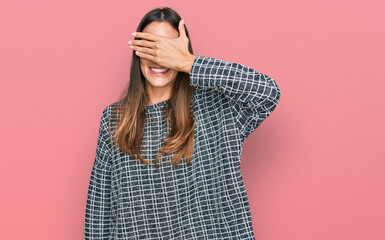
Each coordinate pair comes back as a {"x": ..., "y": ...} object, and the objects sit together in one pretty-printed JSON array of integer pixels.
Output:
[{"x": 158, "y": 81}]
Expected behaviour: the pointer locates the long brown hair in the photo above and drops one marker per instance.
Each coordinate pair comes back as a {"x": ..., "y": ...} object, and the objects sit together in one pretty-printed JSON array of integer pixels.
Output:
[{"x": 130, "y": 115}]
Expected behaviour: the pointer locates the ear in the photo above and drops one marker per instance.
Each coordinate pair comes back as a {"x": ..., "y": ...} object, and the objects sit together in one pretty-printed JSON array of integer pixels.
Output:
[{"x": 182, "y": 30}]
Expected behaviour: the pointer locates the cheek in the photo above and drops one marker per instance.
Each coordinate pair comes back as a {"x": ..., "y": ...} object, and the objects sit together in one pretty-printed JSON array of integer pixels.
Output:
[
  {"x": 144, "y": 68},
  {"x": 143, "y": 63}
]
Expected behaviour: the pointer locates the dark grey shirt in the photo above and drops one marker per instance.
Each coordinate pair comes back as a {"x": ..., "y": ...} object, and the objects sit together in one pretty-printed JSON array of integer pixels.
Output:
[{"x": 204, "y": 200}]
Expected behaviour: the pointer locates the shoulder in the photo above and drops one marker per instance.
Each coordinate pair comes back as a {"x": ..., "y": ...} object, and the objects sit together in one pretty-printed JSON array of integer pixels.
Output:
[
  {"x": 109, "y": 116},
  {"x": 209, "y": 101},
  {"x": 109, "y": 109},
  {"x": 203, "y": 93}
]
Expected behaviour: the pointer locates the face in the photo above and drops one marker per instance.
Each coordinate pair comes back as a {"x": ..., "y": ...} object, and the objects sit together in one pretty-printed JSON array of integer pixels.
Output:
[{"x": 158, "y": 79}]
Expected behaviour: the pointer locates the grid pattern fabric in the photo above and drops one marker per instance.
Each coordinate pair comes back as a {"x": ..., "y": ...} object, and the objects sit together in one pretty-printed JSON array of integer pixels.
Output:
[{"x": 205, "y": 200}]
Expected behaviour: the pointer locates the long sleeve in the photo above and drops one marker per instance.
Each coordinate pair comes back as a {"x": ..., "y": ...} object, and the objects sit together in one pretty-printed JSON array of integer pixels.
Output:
[
  {"x": 98, "y": 206},
  {"x": 253, "y": 95}
]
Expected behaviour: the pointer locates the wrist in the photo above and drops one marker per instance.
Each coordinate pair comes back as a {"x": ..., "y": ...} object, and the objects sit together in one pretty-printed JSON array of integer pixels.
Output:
[{"x": 187, "y": 63}]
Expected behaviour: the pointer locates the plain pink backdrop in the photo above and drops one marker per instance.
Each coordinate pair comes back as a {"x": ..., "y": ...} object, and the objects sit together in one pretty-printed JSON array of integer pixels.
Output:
[{"x": 314, "y": 169}]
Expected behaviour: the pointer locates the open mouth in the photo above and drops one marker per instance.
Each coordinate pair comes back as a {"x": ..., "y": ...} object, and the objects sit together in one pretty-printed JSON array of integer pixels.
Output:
[{"x": 158, "y": 70}]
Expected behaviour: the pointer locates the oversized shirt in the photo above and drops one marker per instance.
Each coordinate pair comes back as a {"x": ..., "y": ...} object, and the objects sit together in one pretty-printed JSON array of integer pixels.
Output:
[{"x": 205, "y": 200}]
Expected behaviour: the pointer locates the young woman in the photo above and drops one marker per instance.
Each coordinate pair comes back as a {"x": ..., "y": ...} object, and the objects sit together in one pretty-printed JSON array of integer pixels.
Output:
[{"x": 167, "y": 163}]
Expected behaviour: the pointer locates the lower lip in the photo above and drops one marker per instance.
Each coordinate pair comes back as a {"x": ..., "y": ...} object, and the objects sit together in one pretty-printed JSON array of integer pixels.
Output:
[{"x": 159, "y": 73}]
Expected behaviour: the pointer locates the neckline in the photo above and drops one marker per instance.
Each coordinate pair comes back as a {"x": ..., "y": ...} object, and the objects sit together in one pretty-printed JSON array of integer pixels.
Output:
[
  {"x": 155, "y": 106},
  {"x": 159, "y": 105}
]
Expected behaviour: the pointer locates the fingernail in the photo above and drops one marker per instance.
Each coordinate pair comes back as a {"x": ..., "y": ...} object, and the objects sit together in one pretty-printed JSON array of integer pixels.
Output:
[
  {"x": 182, "y": 21},
  {"x": 130, "y": 42},
  {"x": 134, "y": 34}
]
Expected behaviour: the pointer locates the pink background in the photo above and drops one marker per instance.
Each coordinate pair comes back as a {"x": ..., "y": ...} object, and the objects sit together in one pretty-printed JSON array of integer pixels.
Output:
[{"x": 314, "y": 169}]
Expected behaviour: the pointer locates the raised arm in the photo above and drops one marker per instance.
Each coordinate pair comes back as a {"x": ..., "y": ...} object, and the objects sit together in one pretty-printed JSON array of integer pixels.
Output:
[
  {"x": 98, "y": 206},
  {"x": 253, "y": 95}
]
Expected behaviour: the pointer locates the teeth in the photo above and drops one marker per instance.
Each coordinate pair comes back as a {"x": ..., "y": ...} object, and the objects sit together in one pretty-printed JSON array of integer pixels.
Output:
[{"x": 159, "y": 69}]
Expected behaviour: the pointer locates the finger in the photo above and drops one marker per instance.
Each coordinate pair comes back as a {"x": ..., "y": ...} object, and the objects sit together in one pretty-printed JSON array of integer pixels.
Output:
[
  {"x": 148, "y": 36},
  {"x": 144, "y": 55},
  {"x": 143, "y": 43},
  {"x": 182, "y": 30},
  {"x": 142, "y": 49}
]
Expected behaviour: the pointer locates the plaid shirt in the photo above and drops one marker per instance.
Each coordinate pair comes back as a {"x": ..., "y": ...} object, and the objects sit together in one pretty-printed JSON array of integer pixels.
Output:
[{"x": 205, "y": 200}]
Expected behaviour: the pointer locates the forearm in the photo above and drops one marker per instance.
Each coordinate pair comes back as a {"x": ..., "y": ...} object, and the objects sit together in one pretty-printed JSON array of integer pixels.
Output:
[
  {"x": 253, "y": 95},
  {"x": 239, "y": 82}
]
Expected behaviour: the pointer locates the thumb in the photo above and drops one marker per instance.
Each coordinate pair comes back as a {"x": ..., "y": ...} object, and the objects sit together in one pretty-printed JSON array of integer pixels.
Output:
[{"x": 182, "y": 30}]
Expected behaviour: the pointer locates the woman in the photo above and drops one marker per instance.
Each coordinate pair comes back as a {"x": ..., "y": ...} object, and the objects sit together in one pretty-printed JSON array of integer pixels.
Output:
[{"x": 192, "y": 112}]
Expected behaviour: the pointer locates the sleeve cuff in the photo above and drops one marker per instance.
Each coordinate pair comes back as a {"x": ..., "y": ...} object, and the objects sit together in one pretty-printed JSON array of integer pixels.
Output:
[{"x": 200, "y": 71}]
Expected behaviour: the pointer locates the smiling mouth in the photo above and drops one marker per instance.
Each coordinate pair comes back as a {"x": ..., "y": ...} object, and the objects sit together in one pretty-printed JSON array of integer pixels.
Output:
[{"x": 158, "y": 70}]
